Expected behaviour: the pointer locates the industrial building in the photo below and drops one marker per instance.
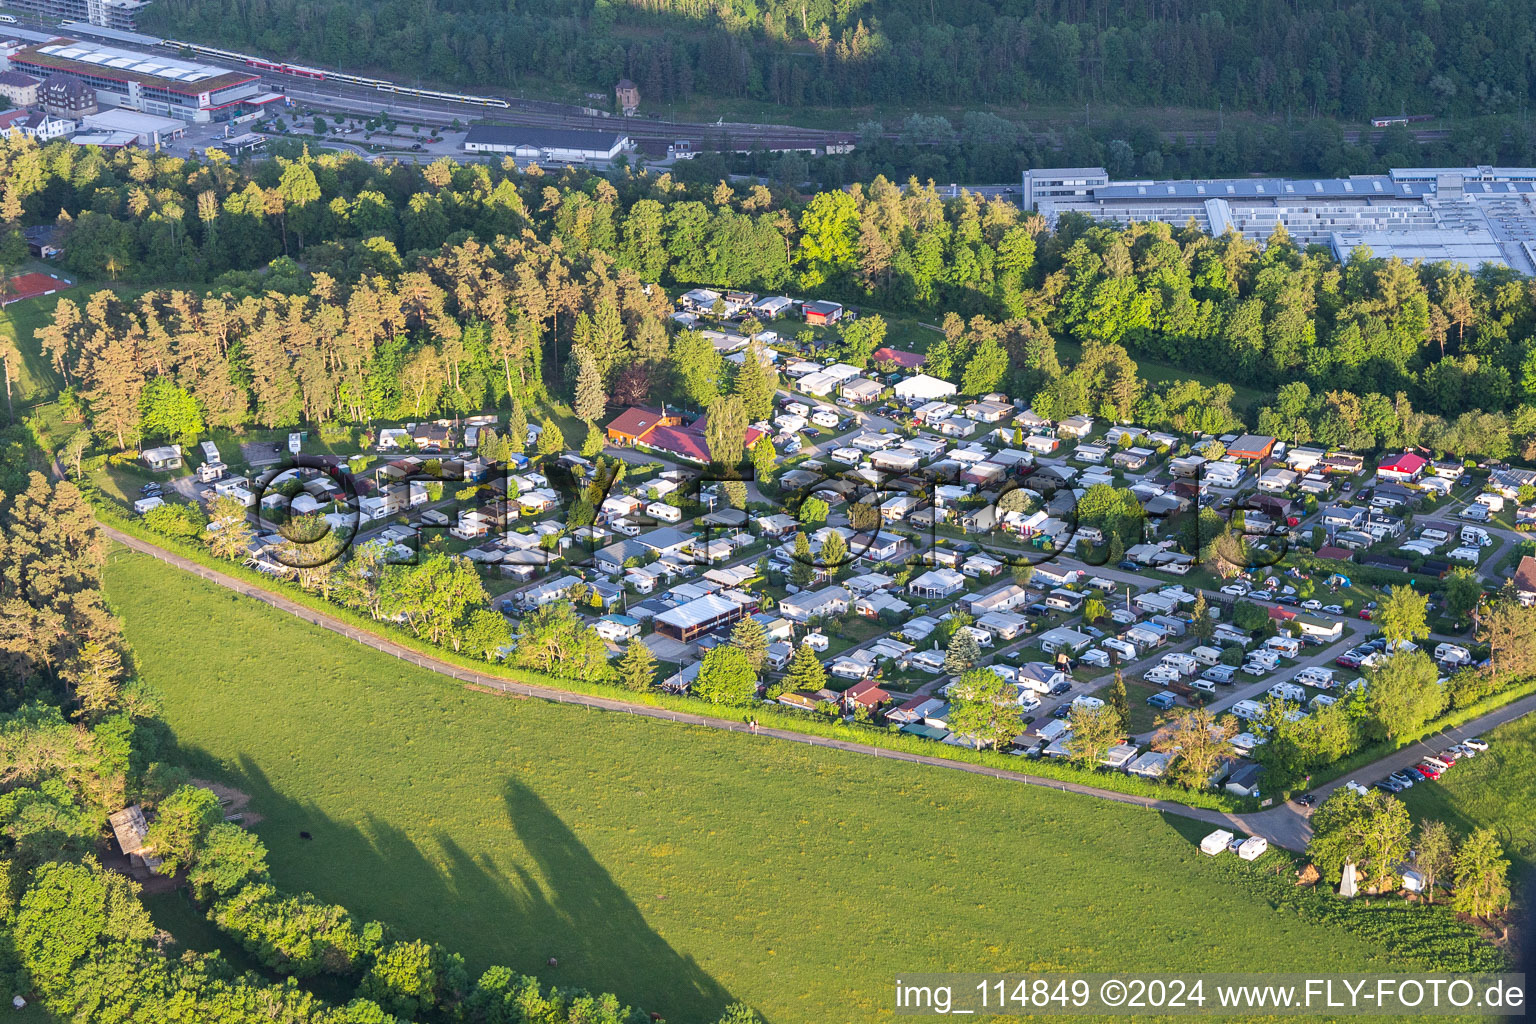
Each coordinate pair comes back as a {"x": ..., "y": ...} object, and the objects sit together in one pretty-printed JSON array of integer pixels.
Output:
[
  {"x": 147, "y": 129},
  {"x": 551, "y": 145},
  {"x": 153, "y": 84},
  {"x": 1476, "y": 216}
]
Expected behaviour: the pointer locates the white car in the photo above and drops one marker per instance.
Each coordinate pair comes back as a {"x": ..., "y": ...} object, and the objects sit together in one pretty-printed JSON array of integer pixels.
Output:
[
  {"x": 1312, "y": 605},
  {"x": 1333, "y": 609},
  {"x": 1474, "y": 743},
  {"x": 1262, "y": 595},
  {"x": 1235, "y": 589}
]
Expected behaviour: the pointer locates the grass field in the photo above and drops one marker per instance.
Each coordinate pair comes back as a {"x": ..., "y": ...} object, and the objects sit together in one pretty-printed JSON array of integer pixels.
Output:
[
  {"x": 680, "y": 867},
  {"x": 19, "y": 322},
  {"x": 1496, "y": 788}
]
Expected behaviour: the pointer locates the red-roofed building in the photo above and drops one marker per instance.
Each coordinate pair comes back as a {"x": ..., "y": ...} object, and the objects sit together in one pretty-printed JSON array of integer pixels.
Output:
[
  {"x": 1402, "y": 468},
  {"x": 864, "y": 694},
  {"x": 1331, "y": 551},
  {"x": 688, "y": 442},
  {"x": 634, "y": 424},
  {"x": 1251, "y": 447},
  {"x": 1280, "y": 613},
  {"x": 905, "y": 360},
  {"x": 1525, "y": 580},
  {"x": 822, "y": 313}
]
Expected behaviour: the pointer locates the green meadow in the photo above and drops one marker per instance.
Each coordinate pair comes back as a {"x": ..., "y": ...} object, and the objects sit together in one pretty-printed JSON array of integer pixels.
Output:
[
  {"x": 685, "y": 868},
  {"x": 1496, "y": 789}
]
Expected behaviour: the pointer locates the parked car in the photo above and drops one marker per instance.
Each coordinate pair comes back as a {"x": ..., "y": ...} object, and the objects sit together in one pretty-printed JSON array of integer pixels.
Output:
[
  {"x": 1312, "y": 605},
  {"x": 1333, "y": 609},
  {"x": 1128, "y": 566},
  {"x": 1475, "y": 743},
  {"x": 1390, "y": 785},
  {"x": 1286, "y": 599},
  {"x": 1406, "y": 778},
  {"x": 1235, "y": 589},
  {"x": 1164, "y": 700},
  {"x": 1427, "y": 770},
  {"x": 1367, "y": 614}
]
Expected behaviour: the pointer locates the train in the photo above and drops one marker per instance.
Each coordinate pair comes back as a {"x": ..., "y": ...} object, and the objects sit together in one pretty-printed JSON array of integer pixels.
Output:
[{"x": 321, "y": 75}]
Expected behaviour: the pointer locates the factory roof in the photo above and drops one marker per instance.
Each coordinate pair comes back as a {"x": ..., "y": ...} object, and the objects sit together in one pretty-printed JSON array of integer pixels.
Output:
[{"x": 155, "y": 71}]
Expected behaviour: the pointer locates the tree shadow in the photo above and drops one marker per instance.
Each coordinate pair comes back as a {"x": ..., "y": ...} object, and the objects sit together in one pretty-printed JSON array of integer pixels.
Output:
[{"x": 561, "y": 904}]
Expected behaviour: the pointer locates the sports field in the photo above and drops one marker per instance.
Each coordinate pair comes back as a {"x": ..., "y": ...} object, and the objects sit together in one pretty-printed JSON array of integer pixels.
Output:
[{"x": 685, "y": 868}]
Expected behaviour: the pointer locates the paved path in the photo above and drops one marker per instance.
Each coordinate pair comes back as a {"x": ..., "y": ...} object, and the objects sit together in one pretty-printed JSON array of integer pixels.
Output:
[{"x": 1285, "y": 826}]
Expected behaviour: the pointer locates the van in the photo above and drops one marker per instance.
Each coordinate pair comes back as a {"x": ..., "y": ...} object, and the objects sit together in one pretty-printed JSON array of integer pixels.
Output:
[
  {"x": 1222, "y": 674},
  {"x": 1206, "y": 655},
  {"x": 1204, "y": 685}
]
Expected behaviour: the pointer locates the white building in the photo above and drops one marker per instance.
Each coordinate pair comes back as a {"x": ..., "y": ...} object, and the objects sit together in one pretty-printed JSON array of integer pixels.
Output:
[{"x": 550, "y": 145}]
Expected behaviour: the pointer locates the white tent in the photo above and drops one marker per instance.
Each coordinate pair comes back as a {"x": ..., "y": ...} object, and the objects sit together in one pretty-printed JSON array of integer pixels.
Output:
[
  {"x": 1347, "y": 887},
  {"x": 923, "y": 387}
]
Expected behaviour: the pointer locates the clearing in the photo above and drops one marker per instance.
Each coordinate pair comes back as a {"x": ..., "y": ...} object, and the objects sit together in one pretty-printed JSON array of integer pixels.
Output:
[{"x": 679, "y": 867}]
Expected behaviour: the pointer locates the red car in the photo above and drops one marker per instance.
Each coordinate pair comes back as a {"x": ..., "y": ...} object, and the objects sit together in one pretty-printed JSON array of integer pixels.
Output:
[
  {"x": 1429, "y": 771},
  {"x": 1366, "y": 614}
]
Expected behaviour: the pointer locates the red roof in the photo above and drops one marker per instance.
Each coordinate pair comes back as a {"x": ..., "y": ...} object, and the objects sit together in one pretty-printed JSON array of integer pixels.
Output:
[
  {"x": 1525, "y": 574},
  {"x": 689, "y": 442},
  {"x": 867, "y": 693},
  {"x": 1281, "y": 612},
  {"x": 635, "y": 421},
  {"x": 1331, "y": 551},
  {"x": 1407, "y": 463},
  {"x": 905, "y": 360}
]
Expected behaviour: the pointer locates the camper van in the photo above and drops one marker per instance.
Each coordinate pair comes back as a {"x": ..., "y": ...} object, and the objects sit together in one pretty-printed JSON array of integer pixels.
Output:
[
  {"x": 1287, "y": 691},
  {"x": 1452, "y": 654},
  {"x": 1206, "y": 655},
  {"x": 1248, "y": 710},
  {"x": 1204, "y": 685},
  {"x": 1220, "y": 674},
  {"x": 1322, "y": 678},
  {"x": 1183, "y": 664},
  {"x": 1124, "y": 648}
]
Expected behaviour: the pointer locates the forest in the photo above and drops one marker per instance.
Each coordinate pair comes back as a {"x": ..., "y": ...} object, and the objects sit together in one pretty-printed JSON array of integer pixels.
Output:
[
  {"x": 330, "y": 290},
  {"x": 1339, "y": 58}
]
